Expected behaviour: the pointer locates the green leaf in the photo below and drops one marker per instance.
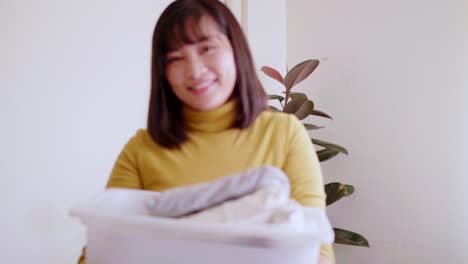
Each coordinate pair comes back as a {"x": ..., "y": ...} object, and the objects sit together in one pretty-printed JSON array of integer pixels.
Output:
[
  {"x": 275, "y": 97},
  {"x": 312, "y": 126},
  {"x": 294, "y": 105},
  {"x": 349, "y": 189},
  {"x": 297, "y": 95},
  {"x": 329, "y": 145},
  {"x": 346, "y": 237},
  {"x": 272, "y": 73},
  {"x": 272, "y": 108},
  {"x": 322, "y": 114},
  {"x": 336, "y": 190},
  {"x": 305, "y": 110},
  {"x": 326, "y": 154},
  {"x": 300, "y": 107},
  {"x": 294, "y": 95},
  {"x": 299, "y": 72}
]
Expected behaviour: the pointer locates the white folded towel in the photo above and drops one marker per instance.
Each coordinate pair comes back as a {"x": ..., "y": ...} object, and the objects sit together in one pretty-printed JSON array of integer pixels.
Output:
[
  {"x": 257, "y": 196},
  {"x": 266, "y": 206},
  {"x": 182, "y": 201}
]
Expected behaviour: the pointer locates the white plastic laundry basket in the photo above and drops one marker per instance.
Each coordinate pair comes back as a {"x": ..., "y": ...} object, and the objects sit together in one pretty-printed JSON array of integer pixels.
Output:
[{"x": 121, "y": 231}]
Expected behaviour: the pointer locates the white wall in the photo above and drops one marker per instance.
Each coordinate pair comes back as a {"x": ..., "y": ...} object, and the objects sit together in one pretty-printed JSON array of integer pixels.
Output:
[
  {"x": 266, "y": 32},
  {"x": 393, "y": 74},
  {"x": 74, "y": 86}
]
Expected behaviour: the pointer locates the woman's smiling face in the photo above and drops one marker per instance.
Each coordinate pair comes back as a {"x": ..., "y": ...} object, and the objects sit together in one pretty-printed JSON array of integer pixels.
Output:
[{"x": 203, "y": 74}]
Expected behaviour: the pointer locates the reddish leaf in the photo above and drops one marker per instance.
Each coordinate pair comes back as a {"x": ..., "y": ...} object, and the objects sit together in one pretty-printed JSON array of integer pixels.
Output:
[
  {"x": 299, "y": 73},
  {"x": 272, "y": 73}
]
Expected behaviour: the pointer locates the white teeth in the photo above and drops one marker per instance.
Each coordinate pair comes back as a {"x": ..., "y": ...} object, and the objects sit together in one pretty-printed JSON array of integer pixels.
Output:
[{"x": 201, "y": 85}]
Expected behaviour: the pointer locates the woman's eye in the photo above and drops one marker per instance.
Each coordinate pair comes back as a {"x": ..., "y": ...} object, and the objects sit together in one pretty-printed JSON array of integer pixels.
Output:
[
  {"x": 207, "y": 48},
  {"x": 173, "y": 59}
]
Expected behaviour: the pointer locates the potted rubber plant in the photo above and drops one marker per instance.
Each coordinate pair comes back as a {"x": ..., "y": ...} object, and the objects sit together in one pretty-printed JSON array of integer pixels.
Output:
[{"x": 302, "y": 107}]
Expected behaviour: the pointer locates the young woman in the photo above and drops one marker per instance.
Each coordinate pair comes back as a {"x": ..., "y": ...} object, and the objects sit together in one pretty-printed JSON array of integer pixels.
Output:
[{"x": 208, "y": 116}]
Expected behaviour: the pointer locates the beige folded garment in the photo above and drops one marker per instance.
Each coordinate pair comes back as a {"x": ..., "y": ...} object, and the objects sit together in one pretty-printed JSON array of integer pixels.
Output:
[
  {"x": 270, "y": 205},
  {"x": 183, "y": 201}
]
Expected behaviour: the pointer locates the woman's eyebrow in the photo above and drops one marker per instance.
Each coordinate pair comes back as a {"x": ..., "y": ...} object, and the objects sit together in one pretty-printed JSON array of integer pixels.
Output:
[
  {"x": 200, "y": 40},
  {"x": 209, "y": 38}
]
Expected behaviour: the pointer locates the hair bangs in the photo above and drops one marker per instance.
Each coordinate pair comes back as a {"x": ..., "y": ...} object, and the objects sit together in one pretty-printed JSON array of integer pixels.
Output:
[{"x": 184, "y": 30}]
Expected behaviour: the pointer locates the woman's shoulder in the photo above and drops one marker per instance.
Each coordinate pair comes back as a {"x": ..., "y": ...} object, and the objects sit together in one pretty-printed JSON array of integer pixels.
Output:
[
  {"x": 139, "y": 138},
  {"x": 287, "y": 124},
  {"x": 141, "y": 133}
]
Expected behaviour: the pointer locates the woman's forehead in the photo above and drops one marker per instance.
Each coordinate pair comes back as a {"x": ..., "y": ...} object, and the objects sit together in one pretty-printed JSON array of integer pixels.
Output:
[{"x": 192, "y": 30}]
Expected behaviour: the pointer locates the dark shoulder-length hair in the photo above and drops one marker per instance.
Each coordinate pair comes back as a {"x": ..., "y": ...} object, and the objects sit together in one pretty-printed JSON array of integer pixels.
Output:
[{"x": 178, "y": 25}]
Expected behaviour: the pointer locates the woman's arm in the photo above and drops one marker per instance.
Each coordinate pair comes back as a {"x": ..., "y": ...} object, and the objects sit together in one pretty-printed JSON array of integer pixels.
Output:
[
  {"x": 125, "y": 173},
  {"x": 303, "y": 169}
]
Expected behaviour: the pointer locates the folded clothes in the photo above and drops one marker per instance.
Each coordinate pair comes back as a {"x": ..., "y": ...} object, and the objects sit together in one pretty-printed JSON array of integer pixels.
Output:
[
  {"x": 266, "y": 206},
  {"x": 183, "y": 201}
]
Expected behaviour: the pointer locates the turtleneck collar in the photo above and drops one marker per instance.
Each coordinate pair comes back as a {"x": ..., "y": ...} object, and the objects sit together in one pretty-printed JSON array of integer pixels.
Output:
[{"x": 215, "y": 120}]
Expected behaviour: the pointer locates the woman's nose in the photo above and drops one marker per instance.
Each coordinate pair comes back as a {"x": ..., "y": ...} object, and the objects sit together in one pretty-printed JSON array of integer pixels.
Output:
[{"x": 195, "y": 67}]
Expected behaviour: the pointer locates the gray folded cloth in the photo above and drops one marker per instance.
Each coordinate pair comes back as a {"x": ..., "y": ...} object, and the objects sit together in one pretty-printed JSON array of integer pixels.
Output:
[{"x": 181, "y": 201}]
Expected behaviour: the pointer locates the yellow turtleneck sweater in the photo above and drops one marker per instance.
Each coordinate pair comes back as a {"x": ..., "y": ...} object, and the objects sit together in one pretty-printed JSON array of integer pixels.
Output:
[{"x": 215, "y": 150}]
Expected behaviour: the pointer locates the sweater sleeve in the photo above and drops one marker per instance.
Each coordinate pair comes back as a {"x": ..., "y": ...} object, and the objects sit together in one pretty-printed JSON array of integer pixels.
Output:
[
  {"x": 303, "y": 169},
  {"x": 125, "y": 173},
  {"x": 82, "y": 259}
]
